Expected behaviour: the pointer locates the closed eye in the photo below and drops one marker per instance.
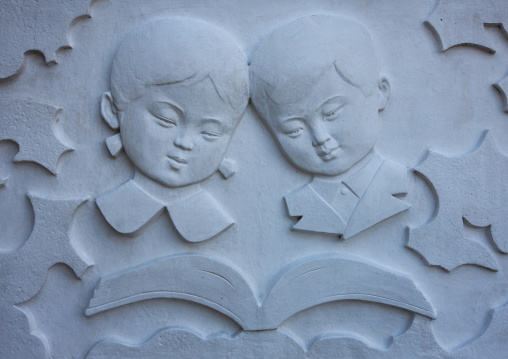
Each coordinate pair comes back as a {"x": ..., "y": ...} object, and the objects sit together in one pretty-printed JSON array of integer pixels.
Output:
[
  {"x": 295, "y": 132},
  {"x": 211, "y": 129},
  {"x": 333, "y": 114},
  {"x": 165, "y": 114},
  {"x": 210, "y": 135},
  {"x": 292, "y": 127},
  {"x": 165, "y": 122}
]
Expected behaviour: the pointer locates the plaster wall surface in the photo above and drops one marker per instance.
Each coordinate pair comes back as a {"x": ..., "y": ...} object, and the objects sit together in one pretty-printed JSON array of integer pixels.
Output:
[{"x": 286, "y": 179}]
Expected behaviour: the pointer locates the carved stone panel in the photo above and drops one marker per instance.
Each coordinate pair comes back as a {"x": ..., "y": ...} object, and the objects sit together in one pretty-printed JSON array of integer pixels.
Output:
[{"x": 251, "y": 179}]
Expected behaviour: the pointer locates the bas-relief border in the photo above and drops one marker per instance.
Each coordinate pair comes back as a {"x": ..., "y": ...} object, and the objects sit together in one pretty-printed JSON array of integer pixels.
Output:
[{"x": 65, "y": 253}]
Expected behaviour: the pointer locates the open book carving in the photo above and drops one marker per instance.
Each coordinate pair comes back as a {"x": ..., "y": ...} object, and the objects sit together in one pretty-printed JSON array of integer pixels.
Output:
[{"x": 305, "y": 283}]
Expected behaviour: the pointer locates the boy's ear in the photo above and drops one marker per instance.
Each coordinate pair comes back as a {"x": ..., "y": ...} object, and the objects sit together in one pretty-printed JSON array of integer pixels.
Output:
[
  {"x": 108, "y": 111},
  {"x": 384, "y": 92}
]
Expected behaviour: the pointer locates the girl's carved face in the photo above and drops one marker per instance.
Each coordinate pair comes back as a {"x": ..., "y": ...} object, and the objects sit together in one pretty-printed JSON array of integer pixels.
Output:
[{"x": 178, "y": 134}]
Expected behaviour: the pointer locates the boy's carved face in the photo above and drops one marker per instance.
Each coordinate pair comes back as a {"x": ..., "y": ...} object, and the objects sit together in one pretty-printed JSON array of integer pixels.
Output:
[
  {"x": 177, "y": 134},
  {"x": 330, "y": 130}
]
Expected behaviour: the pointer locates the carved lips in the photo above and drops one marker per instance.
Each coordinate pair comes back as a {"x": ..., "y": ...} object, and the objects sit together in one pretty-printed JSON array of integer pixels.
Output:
[
  {"x": 177, "y": 163},
  {"x": 327, "y": 154}
]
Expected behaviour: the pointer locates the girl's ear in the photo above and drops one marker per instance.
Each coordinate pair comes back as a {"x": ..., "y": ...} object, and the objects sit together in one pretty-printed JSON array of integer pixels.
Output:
[
  {"x": 108, "y": 111},
  {"x": 384, "y": 92}
]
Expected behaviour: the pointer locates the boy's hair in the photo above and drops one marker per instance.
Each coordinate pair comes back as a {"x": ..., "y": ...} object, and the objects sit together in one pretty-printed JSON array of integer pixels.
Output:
[
  {"x": 299, "y": 53},
  {"x": 176, "y": 50}
]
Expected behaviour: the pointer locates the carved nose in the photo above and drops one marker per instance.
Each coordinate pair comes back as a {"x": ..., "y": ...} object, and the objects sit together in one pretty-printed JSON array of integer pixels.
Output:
[
  {"x": 183, "y": 143},
  {"x": 319, "y": 137}
]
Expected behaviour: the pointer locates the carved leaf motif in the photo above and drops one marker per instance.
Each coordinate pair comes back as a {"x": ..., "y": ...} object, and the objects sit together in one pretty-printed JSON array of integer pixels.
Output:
[
  {"x": 461, "y": 22},
  {"x": 30, "y": 125},
  {"x": 25, "y": 270},
  {"x": 48, "y": 244},
  {"x": 22, "y": 32},
  {"x": 470, "y": 187}
]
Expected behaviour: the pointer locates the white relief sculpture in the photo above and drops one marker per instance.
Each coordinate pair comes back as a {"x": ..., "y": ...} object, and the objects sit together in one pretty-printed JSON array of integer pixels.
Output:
[
  {"x": 316, "y": 84},
  {"x": 178, "y": 90}
]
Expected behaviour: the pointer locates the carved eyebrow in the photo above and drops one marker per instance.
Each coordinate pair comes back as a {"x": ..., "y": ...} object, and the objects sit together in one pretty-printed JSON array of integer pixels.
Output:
[
  {"x": 339, "y": 98},
  {"x": 173, "y": 105},
  {"x": 211, "y": 120},
  {"x": 289, "y": 119}
]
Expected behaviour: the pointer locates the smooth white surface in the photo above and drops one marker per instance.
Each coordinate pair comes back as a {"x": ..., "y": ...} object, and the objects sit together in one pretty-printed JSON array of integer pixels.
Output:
[{"x": 262, "y": 244}]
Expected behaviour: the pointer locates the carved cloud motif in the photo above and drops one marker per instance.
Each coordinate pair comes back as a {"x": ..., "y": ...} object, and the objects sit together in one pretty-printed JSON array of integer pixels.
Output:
[
  {"x": 30, "y": 125},
  {"x": 481, "y": 174},
  {"x": 178, "y": 342},
  {"x": 20, "y": 18}
]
